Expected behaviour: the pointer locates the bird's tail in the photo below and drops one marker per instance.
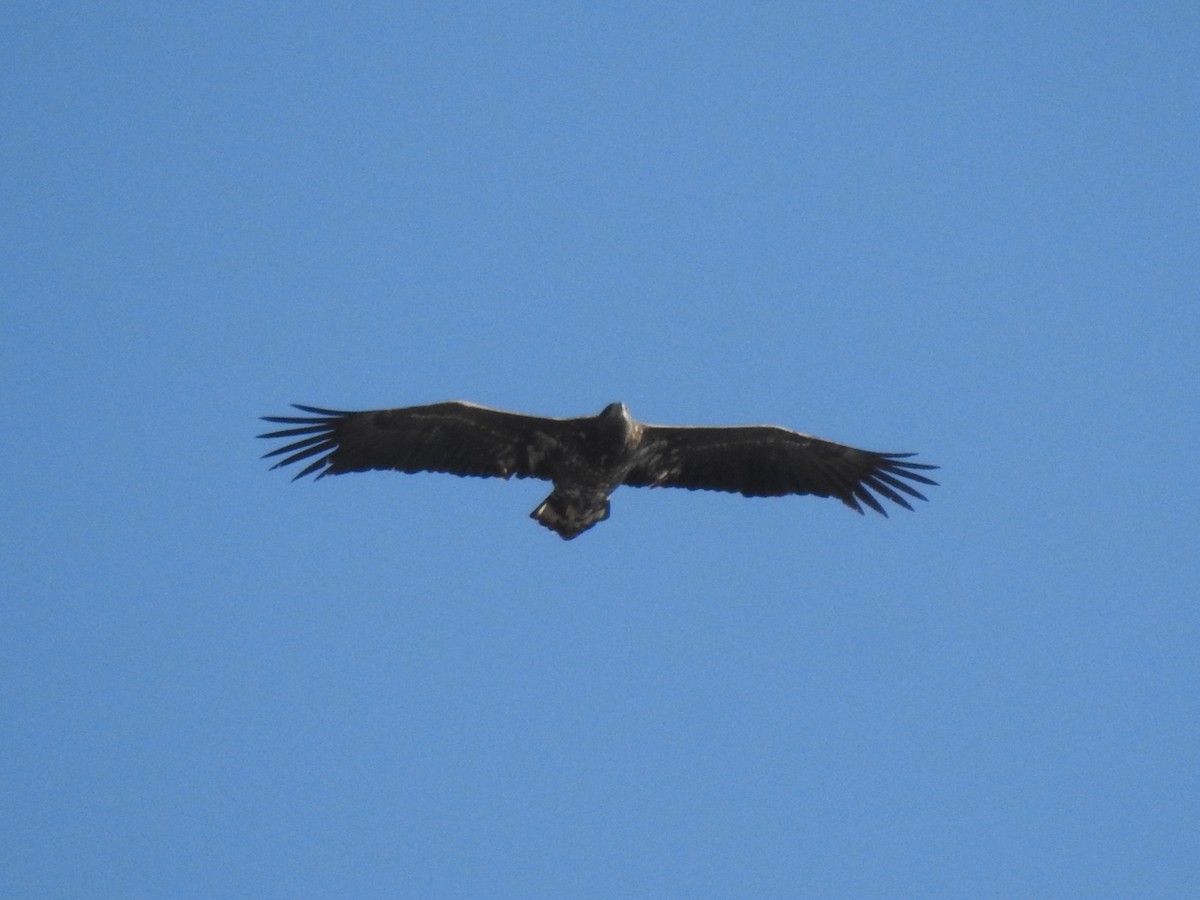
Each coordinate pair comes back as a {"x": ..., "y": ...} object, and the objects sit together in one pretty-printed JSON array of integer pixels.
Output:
[{"x": 569, "y": 516}]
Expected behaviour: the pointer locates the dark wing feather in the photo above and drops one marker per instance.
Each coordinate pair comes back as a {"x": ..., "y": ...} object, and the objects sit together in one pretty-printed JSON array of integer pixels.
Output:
[
  {"x": 455, "y": 437},
  {"x": 767, "y": 461}
]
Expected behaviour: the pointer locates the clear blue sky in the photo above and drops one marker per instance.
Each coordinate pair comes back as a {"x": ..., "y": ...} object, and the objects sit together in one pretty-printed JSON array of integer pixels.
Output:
[{"x": 967, "y": 230}]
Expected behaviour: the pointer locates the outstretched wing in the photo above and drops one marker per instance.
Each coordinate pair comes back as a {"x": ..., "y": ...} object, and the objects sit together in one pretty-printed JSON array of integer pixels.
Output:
[
  {"x": 766, "y": 461},
  {"x": 455, "y": 437}
]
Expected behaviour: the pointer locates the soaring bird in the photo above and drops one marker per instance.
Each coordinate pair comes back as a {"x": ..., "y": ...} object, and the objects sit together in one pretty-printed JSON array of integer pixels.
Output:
[{"x": 589, "y": 457}]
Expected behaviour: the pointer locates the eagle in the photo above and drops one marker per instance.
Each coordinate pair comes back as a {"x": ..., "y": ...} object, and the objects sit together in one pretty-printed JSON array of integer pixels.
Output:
[{"x": 588, "y": 457}]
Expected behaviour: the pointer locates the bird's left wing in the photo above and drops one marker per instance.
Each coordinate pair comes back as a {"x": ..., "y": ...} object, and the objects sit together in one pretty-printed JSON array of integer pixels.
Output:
[
  {"x": 455, "y": 437},
  {"x": 768, "y": 461}
]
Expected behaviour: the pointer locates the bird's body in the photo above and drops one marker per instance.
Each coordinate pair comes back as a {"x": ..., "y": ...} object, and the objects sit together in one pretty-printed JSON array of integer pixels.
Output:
[{"x": 587, "y": 458}]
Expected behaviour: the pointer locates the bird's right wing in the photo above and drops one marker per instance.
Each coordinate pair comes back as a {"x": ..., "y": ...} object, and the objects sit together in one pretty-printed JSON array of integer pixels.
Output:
[{"x": 455, "y": 437}]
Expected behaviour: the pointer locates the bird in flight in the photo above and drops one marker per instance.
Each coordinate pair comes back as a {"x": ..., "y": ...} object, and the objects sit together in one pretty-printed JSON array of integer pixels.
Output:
[{"x": 589, "y": 457}]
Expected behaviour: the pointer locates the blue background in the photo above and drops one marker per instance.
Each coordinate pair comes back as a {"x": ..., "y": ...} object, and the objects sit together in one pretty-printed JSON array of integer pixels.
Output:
[{"x": 967, "y": 230}]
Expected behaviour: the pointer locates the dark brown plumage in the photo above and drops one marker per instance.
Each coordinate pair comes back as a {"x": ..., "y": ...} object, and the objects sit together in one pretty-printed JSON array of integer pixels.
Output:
[{"x": 587, "y": 458}]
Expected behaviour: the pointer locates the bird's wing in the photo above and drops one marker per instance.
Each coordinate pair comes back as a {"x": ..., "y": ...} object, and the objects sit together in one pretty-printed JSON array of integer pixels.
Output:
[
  {"x": 455, "y": 437},
  {"x": 767, "y": 461}
]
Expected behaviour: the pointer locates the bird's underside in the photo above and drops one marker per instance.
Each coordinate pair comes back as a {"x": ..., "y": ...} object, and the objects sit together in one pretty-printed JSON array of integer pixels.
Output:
[{"x": 589, "y": 457}]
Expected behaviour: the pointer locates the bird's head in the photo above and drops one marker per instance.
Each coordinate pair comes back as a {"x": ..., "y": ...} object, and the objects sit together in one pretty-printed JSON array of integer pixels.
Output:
[
  {"x": 615, "y": 420},
  {"x": 615, "y": 411}
]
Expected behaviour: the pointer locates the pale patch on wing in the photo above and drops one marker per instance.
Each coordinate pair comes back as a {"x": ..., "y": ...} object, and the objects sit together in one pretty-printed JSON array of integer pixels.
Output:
[
  {"x": 539, "y": 450},
  {"x": 666, "y": 464}
]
